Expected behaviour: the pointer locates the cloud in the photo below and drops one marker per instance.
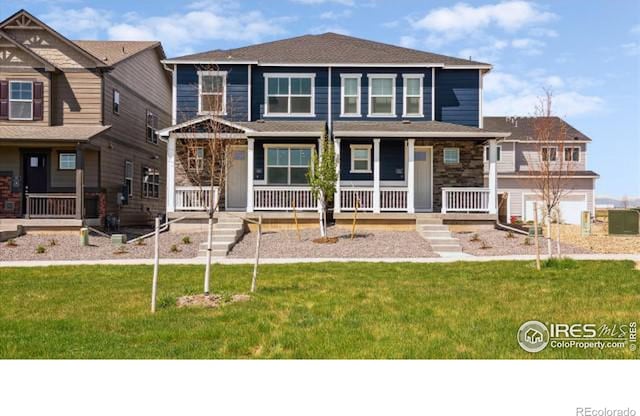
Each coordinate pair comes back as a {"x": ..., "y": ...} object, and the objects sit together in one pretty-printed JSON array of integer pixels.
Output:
[
  {"x": 331, "y": 15},
  {"x": 408, "y": 41},
  {"x": 315, "y": 2},
  {"x": 87, "y": 22},
  {"x": 631, "y": 48}
]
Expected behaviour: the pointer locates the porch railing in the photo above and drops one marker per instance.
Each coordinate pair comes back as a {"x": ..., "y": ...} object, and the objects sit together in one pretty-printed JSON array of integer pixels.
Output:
[
  {"x": 465, "y": 200},
  {"x": 50, "y": 205},
  {"x": 276, "y": 198},
  {"x": 393, "y": 199},
  {"x": 194, "y": 198},
  {"x": 350, "y": 196}
]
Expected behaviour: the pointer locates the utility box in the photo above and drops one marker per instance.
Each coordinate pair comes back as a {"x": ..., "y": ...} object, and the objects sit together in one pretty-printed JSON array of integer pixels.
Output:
[
  {"x": 84, "y": 236},
  {"x": 624, "y": 222},
  {"x": 118, "y": 239}
]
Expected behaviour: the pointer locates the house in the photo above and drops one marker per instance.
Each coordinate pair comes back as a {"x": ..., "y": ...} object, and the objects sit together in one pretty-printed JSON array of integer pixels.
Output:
[
  {"x": 78, "y": 128},
  {"x": 518, "y": 155},
  {"x": 407, "y": 127}
]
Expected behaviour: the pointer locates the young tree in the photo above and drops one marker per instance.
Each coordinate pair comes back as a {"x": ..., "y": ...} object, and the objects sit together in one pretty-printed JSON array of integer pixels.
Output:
[{"x": 322, "y": 178}]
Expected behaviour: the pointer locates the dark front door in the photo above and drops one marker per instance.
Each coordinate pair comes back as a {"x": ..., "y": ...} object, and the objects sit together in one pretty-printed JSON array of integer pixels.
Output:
[{"x": 35, "y": 172}]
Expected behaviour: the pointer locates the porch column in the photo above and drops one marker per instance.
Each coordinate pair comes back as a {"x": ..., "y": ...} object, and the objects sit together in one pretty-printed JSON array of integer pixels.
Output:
[
  {"x": 171, "y": 174},
  {"x": 79, "y": 182},
  {"x": 376, "y": 175},
  {"x": 336, "y": 198},
  {"x": 410, "y": 176},
  {"x": 493, "y": 176},
  {"x": 250, "y": 146},
  {"x": 320, "y": 160}
]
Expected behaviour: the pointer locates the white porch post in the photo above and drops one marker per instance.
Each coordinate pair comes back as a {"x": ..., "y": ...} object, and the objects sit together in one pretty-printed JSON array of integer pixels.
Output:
[
  {"x": 171, "y": 174},
  {"x": 410, "y": 176},
  {"x": 336, "y": 198},
  {"x": 320, "y": 160},
  {"x": 250, "y": 145},
  {"x": 493, "y": 177},
  {"x": 376, "y": 175}
]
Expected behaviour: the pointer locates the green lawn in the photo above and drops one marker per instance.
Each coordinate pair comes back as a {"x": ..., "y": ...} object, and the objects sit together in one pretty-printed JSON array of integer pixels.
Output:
[{"x": 357, "y": 310}]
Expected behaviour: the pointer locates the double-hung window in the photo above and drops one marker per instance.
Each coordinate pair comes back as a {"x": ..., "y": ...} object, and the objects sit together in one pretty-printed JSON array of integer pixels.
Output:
[
  {"x": 288, "y": 165},
  {"x": 152, "y": 127},
  {"x": 451, "y": 155},
  {"x": 128, "y": 177},
  {"x": 382, "y": 92},
  {"x": 66, "y": 161},
  {"x": 289, "y": 94},
  {"x": 350, "y": 88},
  {"x": 195, "y": 159},
  {"x": 572, "y": 154},
  {"x": 20, "y": 100},
  {"x": 212, "y": 92},
  {"x": 360, "y": 158},
  {"x": 549, "y": 154},
  {"x": 150, "y": 182},
  {"x": 116, "y": 101},
  {"x": 412, "y": 104}
]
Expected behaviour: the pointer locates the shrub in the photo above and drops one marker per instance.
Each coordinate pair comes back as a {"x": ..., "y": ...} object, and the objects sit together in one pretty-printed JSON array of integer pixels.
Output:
[
  {"x": 40, "y": 249},
  {"x": 53, "y": 242},
  {"x": 186, "y": 240},
  {"x": 509, "y": 235},
  {"x": 527, "y": 241},
  {"x": 120, "y": 250},
  {"x": 12, "y": 243},
  {"x": 475, "y": 237},
  {"x": 141, "y": 242},
  {"x": 174, "y": 248},
  {"x": 166, "y": 301},
  {"x": 484, "y": 245}
]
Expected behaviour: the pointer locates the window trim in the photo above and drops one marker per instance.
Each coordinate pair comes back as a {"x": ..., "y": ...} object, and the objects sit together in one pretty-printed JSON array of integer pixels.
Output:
[
  {"x": 485, "y": 154},
  {"x": 555, "y": 159},
  {"x": 222, "y": 74},
  {"x": 152, "y": 184},
  {"x": 66, "y": 153},
  {"x": 393, "y": 77},
  {"x": 366, "y": 147},
  {"x": 572, "y": 148},
  {"x": 115, "y": 105},
  {"x": 420, "y": 113},
  {"x": 20, "y": 100},
  {"x": 288, "y": 166},
  {"x": 130, "y": 178},
  {"x": 198, "y": 160},
  {"x": 312, "y": 108},
  {"x": 444, "y": 156},
  {"x": 358, "y": 112},
  {"x": 154, "y": 137}
]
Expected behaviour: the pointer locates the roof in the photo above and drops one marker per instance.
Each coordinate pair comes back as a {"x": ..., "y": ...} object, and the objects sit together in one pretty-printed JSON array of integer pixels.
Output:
[
  {"x": 570, "y": 173},
  {"x": 326, "y": 48},
  {"x": 523, "y": 128},
  {"x": 54, "y": 133},
  {"x": 406, "y": 129},
  {"x": 112, "y": 52},
  {"x": 295, "y": 128}
]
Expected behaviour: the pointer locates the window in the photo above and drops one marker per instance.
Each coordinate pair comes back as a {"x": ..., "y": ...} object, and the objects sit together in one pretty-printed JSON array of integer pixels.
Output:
[
  {"x": 150, "y": 182},
  {"x": 288, "y": 165},
  {"x": 195, "y": 159},
  {"x": 20, "y": 100},
  {"x": 66, "y": 161},
  {"x": 498, "y": 153},
  {"x": 382, "y": 90},
  {"x": 451, "y": 155},
  {"x": 360, "y": 158},
  {"x": 549, "y": 154},
  {"x": 350, "y": 104},
  {"x": 128, "y": 177},
  {"x": 152, "y": 128},
  {"x": 116, "y": 102},
  {"x": 289, "y": 94},
  {"x": 412, "y": 95},
  {"x": 571, "y": 154},
  {"x": 212, "y": 89}
]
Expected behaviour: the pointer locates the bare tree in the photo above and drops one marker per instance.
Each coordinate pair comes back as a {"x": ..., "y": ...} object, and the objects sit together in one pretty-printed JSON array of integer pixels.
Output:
[
  {"x": 322, "y": 177},
  {"x": 549, "y": 168}
]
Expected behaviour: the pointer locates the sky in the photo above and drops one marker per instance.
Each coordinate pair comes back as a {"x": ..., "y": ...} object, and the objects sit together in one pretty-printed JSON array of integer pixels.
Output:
[{"x": 586, "y": 52}]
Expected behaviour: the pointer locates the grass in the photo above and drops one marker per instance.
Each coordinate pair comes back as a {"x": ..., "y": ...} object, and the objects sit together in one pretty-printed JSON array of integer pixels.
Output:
[{"x": 324, "y": 310}]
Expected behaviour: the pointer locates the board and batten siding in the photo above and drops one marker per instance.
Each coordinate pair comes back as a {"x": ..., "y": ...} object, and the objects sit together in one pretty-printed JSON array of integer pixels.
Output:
[
  {"x": 76, "y": 98},
  {"x": 457, "y": 96}
]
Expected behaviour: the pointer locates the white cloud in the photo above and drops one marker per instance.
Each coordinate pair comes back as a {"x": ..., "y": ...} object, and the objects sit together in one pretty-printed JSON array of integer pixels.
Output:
[
  {"x": 331, "y": 15},
  {"x": 543, "y": 32},
  {"x": 87, "y": 22},
  {"x": 408, "y": 41},
  {"x": 631, "y": 48},
  {"x": 314, "y": 2}
]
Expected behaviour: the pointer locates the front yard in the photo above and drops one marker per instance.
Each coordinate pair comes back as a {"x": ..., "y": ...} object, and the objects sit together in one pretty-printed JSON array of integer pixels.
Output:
[{"x": 352, "y": 310}]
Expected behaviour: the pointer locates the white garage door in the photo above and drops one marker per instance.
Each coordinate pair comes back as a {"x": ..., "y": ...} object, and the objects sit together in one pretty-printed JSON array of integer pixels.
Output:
[{"x": 570, "y": 210}]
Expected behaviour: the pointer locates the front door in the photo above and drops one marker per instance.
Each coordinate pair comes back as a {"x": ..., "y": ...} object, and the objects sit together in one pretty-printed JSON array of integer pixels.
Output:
[
  {"x": 236, "y": 198},
  {"x": 423, "y": 167},
  {"x": 34, "y": 174}
]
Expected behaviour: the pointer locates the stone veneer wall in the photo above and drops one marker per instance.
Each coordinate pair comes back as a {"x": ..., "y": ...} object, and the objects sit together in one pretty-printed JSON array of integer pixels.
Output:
[{"x": 468, "y": 173}]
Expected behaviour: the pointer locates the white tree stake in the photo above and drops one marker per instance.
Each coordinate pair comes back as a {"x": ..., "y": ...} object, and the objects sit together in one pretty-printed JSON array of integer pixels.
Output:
[
  {"x": 156, "y": 261},
  {"x": 255, "y": 265}
]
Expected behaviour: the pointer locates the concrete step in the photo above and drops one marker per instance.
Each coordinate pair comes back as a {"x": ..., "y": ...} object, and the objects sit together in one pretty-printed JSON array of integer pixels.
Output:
[
  {"x": 420, "y": 221},
  {"x": 435, "y": 234},
  {"x": 449, "y": 248},
  {"x": 227, "y": 225},
  {"x": 230, "y": 220}
]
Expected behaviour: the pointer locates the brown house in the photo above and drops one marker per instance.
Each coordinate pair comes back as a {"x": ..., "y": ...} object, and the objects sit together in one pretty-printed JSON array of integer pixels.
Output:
[{"x": 78, "y": 122}]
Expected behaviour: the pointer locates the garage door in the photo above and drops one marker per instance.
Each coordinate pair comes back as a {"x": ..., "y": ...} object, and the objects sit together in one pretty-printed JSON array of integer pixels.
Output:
[{"x": 570, "y": 209}]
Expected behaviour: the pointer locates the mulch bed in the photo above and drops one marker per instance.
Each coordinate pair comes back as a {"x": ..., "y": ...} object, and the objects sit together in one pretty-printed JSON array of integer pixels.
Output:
[{"x": 500, "y": 243}]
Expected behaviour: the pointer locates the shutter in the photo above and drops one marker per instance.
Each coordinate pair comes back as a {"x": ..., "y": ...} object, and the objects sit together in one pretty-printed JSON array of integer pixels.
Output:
[
  {"x": 38, "y": 92},
  {"x": 4, "y": 100}
]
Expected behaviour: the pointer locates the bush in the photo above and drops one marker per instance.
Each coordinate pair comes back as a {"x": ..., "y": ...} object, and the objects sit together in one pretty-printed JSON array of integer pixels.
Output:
[
  {"x": 174, "y": 248},
  {"x": 527, "y": 241},
  {"x": 186, "y": 240},
  {"x": 484, "y": 245},
  {"x": 12, "y": 243},
  {"x": 40, "y": 249},
  {"x": 509, "y": 235},
  {"x": 53, "y": 242},
  {"x": 141, "y": 242},
  {"x": 475, "y": 237},
  {"x": 120, "y": 250},
  {"x": 560, "y": 263}
]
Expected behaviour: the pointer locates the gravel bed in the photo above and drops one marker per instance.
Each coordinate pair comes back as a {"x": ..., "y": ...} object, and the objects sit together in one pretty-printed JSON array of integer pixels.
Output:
[
  {"x": 499, "y": 244},
  {"x": 67, "y": 247},
  {"x": 285, "y": 243}
]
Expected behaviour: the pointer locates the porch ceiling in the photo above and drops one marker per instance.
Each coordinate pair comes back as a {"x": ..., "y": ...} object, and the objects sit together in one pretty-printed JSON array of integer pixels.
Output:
[{"x": 432, "y": 129}]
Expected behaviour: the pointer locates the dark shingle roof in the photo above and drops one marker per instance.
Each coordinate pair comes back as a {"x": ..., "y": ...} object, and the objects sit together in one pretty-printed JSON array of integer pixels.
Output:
[
  {"x": 523, "y": 128},
  {"x": 327, "y": 48},
  {"x": 415, "y": 128},
  {"x": 283, "y": 126},
  {"x": 113, "y": 51}
]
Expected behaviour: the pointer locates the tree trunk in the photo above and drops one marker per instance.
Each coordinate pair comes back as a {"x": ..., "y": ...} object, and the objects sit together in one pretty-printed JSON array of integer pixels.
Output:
[
  {"x": 548, "y": 223},
  {"x": 558, "y": 234},
  {"x": 535, "y": 233}
]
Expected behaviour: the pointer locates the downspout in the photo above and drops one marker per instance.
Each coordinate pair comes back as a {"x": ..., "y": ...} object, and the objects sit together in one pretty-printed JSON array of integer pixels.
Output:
[{"x": 174, "y": 76}]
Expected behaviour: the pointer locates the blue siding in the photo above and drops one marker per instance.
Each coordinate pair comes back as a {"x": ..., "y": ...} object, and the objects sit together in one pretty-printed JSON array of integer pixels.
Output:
[
  {"x": 187, "y": 91},
  {"x": 457, "y": 96},
  {"x": 259, "y": 154},
  {"x": 364, "y": 88},
  {"x": 392, "y": 160}
]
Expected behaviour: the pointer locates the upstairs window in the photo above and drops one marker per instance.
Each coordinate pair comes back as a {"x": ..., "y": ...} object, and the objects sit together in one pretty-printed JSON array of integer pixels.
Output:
[
  {"x": 116, "y": 102},
  {"x": 150, "y": 182},
  {"x": 572, "y": 154},
  {"x": 20, "y": 100},
  {"x": 152, "y": 128},
  {"x": 212, "y": 90},
  {"x": 549, "y": 154},
  {"x": 66, "y": 161},
  {"x": 382, "y": 90},
  {"x": 451, "y": 156},
  {"x": 360, "y": 158},
  {"x": 288, "y": 165},
  {"x": 412, "y": 106},
  {"x": 290, "y": 95},
  {"x": 350, "y": 105}
]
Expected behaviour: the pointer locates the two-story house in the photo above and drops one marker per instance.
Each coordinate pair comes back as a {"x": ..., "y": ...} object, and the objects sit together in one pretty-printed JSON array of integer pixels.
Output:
[
  {"x": 407, "y": 127},
  {"x": 78, "y": 128}
]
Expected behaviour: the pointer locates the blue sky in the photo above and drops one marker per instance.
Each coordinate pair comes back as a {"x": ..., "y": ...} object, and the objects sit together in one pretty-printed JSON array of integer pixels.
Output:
[{"x": 587, "y": 52}]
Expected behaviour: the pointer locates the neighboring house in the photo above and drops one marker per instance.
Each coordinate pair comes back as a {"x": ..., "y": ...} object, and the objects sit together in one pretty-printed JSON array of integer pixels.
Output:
[
  {"x": 518, "y": 152},
  {"x": 78, "y": 127},
  {"x": 407, "y": 127}
]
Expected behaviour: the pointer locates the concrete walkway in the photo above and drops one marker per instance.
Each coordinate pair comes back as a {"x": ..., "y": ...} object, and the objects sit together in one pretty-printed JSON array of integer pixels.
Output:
[{"x": 201, "y": 260}]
